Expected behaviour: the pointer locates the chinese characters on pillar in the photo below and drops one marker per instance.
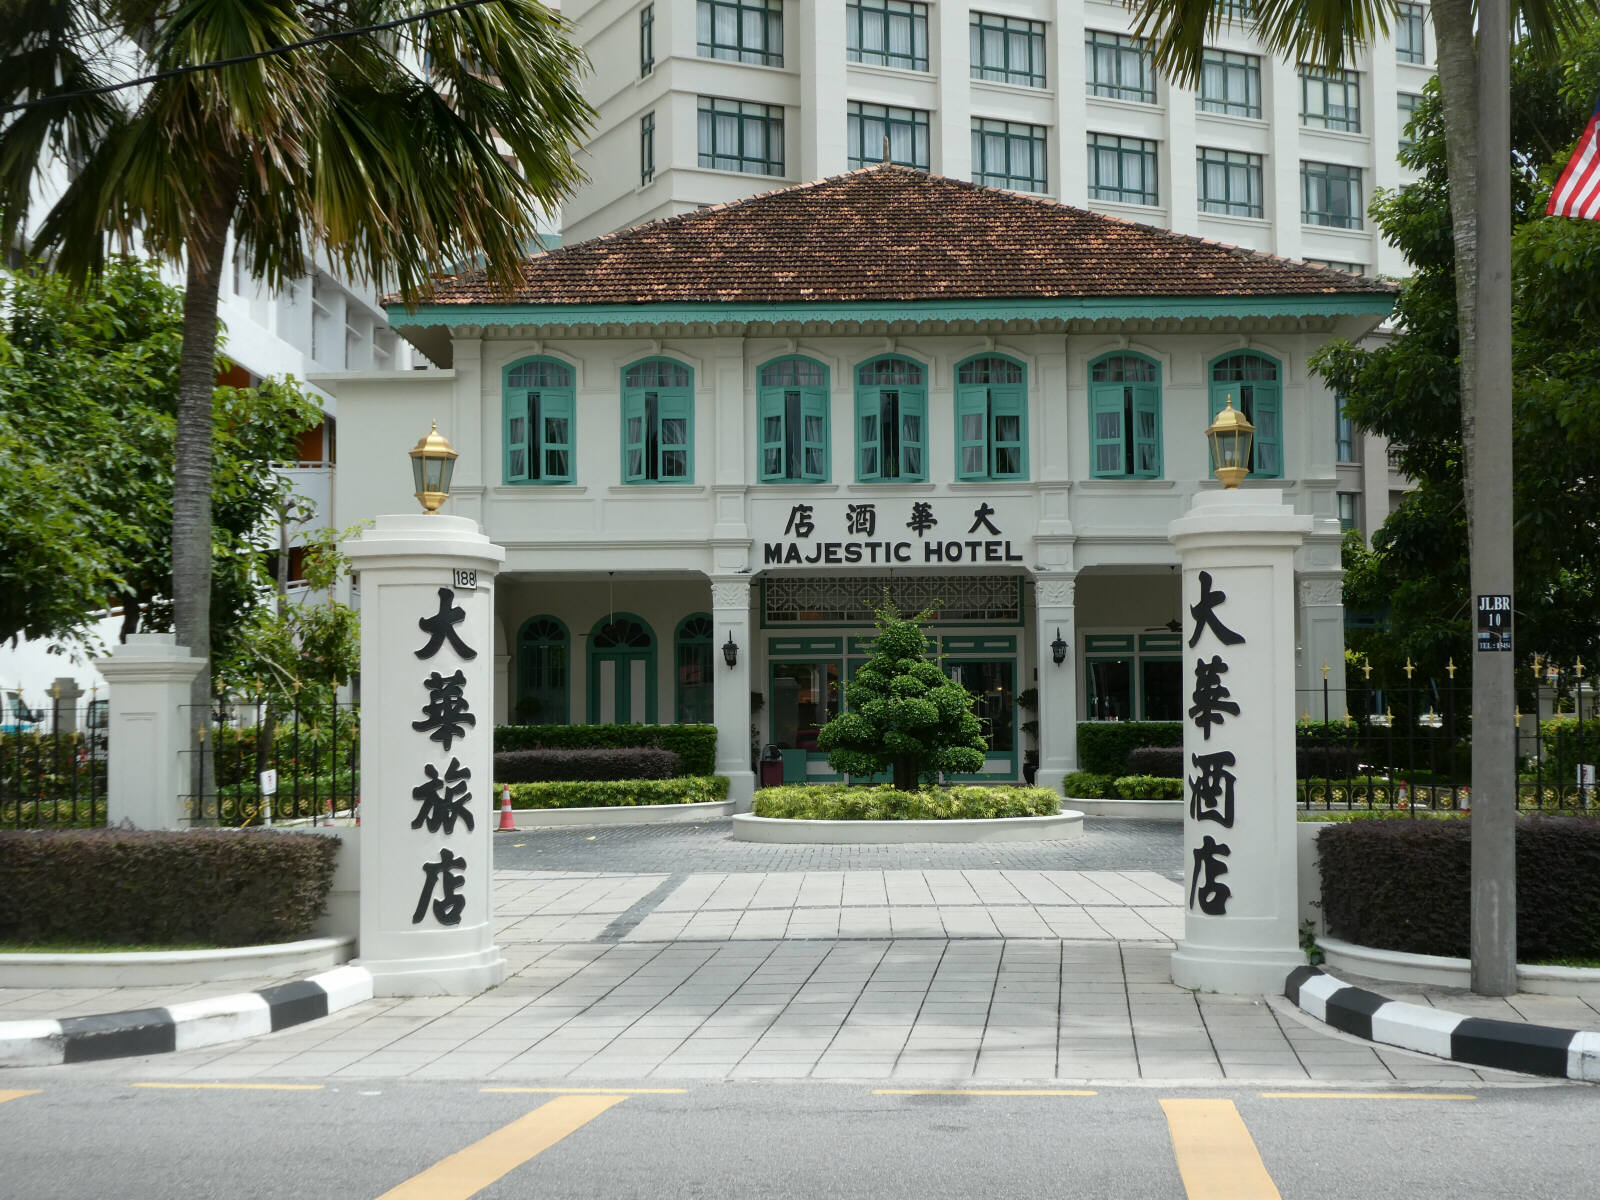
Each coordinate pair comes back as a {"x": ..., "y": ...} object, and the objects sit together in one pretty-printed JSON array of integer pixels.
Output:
[
  {"x": 444, "y": 795},
  {"x": 1211, "y": 788}
]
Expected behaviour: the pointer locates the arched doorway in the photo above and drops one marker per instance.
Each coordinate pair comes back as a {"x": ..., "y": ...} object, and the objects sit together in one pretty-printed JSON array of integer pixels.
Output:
[{"x": 622, "y": 671}]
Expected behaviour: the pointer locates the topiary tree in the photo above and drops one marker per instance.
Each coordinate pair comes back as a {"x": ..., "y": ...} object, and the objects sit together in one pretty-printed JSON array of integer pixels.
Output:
[{"x": 905, "y": 714}]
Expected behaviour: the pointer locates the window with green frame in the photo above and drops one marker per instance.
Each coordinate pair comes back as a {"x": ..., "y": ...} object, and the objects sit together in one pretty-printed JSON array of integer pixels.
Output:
[
  {"x": 891, "y": 420},
  {"x": 1254, "y": 383},
  {"x": 693, "y": 681},
  {"x": 657, "y": 422},
  {"x": 744, "y": 31},
  {"x": 1133, "y": 677},
  {"x": 1125, "y": 417},
  {"x": 539, "y": 422},
  {"x": 543, "y": 672},
  {"x": 991, "y": 419},
  {"x": 792, "y": 406}
]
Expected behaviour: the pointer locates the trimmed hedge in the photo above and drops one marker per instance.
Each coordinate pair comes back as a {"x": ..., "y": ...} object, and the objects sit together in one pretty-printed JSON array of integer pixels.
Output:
[
  {"x": 1087, "y": 785},
  {"x": 617, "y": 793},
  {"x": 844, "y": 802},
  {"x": 1104, "y": 746},
  {"x": 1406, "y": 885},
  {"x": 1166, "y": 761},
  {"x": 149, "y": 887},
  {"x": 695, "y": 745},
  {"x": 1148, "y": 787},
  {"x": 547, "y": 766}
]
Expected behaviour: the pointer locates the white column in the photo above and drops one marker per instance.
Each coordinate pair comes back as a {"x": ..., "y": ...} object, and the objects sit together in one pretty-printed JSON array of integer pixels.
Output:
[
  {"x": 149, "y": 731},
  {"x": 952, "y": 155},
  {"x": 1240, "y": 865},
  {"x": 1054, "y": 614},
  {"x": 730, "y": 614},
  {"x": 824, "y": 146},
  {"x": 427, "y": 731},
  {"x": 1321, "y": 611},
  {"x": 64, "y": 696}
]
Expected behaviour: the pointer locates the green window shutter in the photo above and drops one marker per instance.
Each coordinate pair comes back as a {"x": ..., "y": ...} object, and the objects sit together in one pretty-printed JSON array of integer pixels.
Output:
[
  {"x": 676, "y": 409},
  {"x": 972, "y": 432},
  {"x": 633, "y": 435},
  {"x": 1146, "y": 432},
  {"x": 555, "y": 437},
  {"x": 1008, "y": 420},
  {"x": 813, "y": 435},
  {"x": 869, "y": 458},
  {"x": 516, "y": 437},
  {"x": 770, "y": 412},
  {"x": 913, "y": 434},
  {"x": 1268, "y": 420},
  {"x": 1107, "y": 438}
]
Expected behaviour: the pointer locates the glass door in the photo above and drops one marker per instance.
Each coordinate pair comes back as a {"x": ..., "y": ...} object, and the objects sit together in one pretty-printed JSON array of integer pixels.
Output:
[
  {"x": 805, "y": 696},
  {"x": 992, "y": 685}
]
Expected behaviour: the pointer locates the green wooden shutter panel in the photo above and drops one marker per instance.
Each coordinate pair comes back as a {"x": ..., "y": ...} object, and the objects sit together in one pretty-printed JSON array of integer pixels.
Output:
[
  {"x": 1146, "y": 432},
  {"x": 633, "y": 433},
  {"x": 913, "y": 433},
  {"x": 555, "y": 441},
  {"x": 1106, "y": 435},
  {"x": 972, "y": 432},
  {"x": 814, "y": 435},
  {"x": 676, "y": 416},
  {"x": 771, "y": 415},
  {"x": 869, "y": 462},
  {"x": 516, "y": 416},
  {"x": 1008, "y": 433}
]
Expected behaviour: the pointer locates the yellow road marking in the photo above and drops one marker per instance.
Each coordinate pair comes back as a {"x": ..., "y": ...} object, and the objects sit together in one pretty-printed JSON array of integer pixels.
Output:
[
  {"x": 4, "y": 1096},
  {"x": 1216, "y": 1155},
  {"x": 981, "y": 1092},
  {"x": 580, "y": 1091},
  {"x": 1367, "y": 1096},
  {"x": 467, "y": 1172},
  {"x": 234, "y": 1087}
]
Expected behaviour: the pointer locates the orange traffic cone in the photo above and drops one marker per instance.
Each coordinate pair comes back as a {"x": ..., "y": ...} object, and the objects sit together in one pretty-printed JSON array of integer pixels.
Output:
[{"x": 507, "y": 824}]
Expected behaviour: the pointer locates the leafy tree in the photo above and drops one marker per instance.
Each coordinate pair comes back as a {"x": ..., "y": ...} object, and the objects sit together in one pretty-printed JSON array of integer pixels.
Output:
[
  {"x": 1408, "y": 390},
  {"x": 905, "y": 714},
  {"x": 340, "y": 146}
]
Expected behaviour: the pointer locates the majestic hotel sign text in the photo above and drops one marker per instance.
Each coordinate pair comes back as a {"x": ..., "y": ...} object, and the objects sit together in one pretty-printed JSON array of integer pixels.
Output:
[{"x": 918, "y": 532}]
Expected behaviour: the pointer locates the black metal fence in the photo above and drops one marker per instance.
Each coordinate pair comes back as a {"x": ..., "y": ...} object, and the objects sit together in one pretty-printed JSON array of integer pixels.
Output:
[
  {"x": 314, "y": 758},
  {"x": 53, "y": 764},
  {"x": 1414, "y": 752}
]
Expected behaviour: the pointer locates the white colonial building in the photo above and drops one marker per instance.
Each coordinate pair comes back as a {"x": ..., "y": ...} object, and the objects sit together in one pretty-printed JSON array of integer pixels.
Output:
[{"x": 710, "y": 443}]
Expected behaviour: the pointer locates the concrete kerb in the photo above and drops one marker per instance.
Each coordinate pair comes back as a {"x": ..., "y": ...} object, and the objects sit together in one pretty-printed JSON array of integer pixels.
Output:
[
  {"x": 1480, "y": 1041},
  {"x": 184, "y": 1026}
]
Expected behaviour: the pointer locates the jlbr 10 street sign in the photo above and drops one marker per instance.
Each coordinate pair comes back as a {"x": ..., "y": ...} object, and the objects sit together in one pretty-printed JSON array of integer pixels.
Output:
[{"x": 1494, "y": 623}]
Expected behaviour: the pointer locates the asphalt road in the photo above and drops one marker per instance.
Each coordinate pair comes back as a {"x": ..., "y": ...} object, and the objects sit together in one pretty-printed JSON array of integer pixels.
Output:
[{"x": 92, "y": 1139}]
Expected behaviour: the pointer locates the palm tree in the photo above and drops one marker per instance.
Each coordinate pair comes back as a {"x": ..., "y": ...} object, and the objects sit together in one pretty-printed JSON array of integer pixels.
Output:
[{"x": 391, "y": 146}]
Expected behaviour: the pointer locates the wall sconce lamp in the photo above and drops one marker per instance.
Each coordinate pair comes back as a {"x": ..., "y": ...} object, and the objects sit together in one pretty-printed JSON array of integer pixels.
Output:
[
  {"x": 1058, "y": 649},
  {"x": 730, "y": 651}
]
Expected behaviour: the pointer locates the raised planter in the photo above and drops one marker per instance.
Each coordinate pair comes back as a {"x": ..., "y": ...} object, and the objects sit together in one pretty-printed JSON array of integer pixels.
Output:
[
  {"x": 1064, "y": 826},
  {"x": 146, "y": 967},
  {"x": 1149, "y": 810},
  {"x": 617, "y": 814},
  {"x": 1437, "y": 971}
]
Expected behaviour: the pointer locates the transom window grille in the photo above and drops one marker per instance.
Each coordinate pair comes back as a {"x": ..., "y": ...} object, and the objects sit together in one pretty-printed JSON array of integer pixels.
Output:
[
  {"x": 1410, "y": 34},
  {"x": 1125, "y": 417},
  {"x": 850, "y": 600},
  {"x": 1330, "y": 99},
  {"x": 891, "y": 420},
  {"x": 1251, "y": 381},
  {"x": 539, "y": 414},
  {"x": 1122, "y": 169},
  {"x": 746, "y": 31},
  {"x": 906, "y": 129},
  {"x": 622, "y": 633},
  {"x": 1008, "y": 155},
  {"x": 1230, "y": 182},
  {"x": 1119, "y": 67},
  {"x": 1008, "y": 50},
  {"x": 792, "y": 402},
  {"x": 883, "y": 371},
  {"x": 736, "y": 136},
  {"x": 991, "y": 370},
  {"x": 991, "y": 419},
  {"x": 1407, "y": 103},
  {"x": 657, "y": 423},
  {"x": 1330, "y": 194},
  {"x": 887, "y": 33},
  {"x": 1230, "y": 84}
]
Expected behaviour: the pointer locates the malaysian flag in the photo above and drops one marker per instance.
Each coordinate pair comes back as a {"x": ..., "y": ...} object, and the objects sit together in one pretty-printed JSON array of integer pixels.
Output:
[{"x": 1577, "y": 193}]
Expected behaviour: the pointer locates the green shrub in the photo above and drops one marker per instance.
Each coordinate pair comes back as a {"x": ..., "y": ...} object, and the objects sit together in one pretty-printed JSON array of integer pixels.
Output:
[
  {"x": 148, "y": 887},
  {"x": 842, "y": 802},
  {"x": 1148, "y": 787},
  {"x": 695, "y": 745},
  {"x": 1104, "y": 746},
  {"x": 1087, "y": 785},
  {"x": 617, "y": 793},
  {"x": 550, "y": 766},
  {"x": 1165, "y": 761},
  {"x": 1406, "y": 885}
]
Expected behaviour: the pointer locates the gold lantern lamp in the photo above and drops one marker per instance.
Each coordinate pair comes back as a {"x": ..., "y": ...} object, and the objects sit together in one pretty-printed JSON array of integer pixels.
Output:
[
  {"x": 1230, "y": 436},
  {"x": 433, "y": 461}
]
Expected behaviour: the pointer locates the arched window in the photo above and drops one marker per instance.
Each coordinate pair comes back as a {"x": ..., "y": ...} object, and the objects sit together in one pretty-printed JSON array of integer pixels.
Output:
[
  {"x": 543, "y": 650},
  {"x": 622, "y": 671},
  {"x": 693, "y": 684},
  {"x": 1253, "y": 382},
  {"x": 991, "y": 419},
  {"x": 891, "y": 420},
  {"x": 792, "y": 406},
  {"x": 1125, "y": 417},
  {"x": 658, "y": 422},
  {"x": 538, "y": 407}
]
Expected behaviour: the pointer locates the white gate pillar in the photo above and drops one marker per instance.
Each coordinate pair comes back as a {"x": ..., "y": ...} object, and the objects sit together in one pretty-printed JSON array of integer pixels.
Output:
[
  {"x": 427, "y": 753},
  {"x": 147, "y": 733},
  {"x": 1240, "y": 865},
  {"x": 1055, "y": 616},
  {"x": 730, "y": 614}
]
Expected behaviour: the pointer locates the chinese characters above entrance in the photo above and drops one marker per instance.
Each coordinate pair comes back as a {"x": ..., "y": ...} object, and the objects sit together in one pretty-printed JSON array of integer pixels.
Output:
[{"x": 942, "y": 532}]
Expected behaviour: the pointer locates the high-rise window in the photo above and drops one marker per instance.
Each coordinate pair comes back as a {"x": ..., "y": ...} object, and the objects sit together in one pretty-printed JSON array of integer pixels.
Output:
[
  {"x": 1407, "y": 103},
  {"x": 1122, "y": 169},
  {"x": 1330, "y": 194},
  {"x": 1007, "y": 50},
  {"x": 1119, "y": 67},
  {"x": 647, "y": 148},
  {"x": 887, "y": 33},
  {"x": 647, "y": 40},
  {"x": 1008, "y": 155},
  {"x": 1336, "y": 264},
  {"x": 906, "y": 129},
  {"x": 1230, "y": 182},
  {"x": 1349, "y": 511},
  {"x": 1330, "y": 99},
  {"x": 1348, "y": 439},
  {"x": 1230, "y": 84},
  {"x": 735, "y": 136},
  {"x": 1410, "y": 34},
  {"x": 746, "y": 31}
]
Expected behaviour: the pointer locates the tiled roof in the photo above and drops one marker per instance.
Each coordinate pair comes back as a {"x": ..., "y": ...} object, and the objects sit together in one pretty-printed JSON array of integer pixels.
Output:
[{"x": 887, "y": 233}]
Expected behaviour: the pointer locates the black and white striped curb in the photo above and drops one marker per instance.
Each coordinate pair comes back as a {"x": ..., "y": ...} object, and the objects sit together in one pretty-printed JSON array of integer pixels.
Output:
[
  {"x": 1481, "y": 1041},
  {"x": 183, "y": 1026}
]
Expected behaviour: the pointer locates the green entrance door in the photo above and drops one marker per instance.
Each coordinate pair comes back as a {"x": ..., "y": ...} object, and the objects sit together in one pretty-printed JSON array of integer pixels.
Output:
[{"x": 622, "y": 672}]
